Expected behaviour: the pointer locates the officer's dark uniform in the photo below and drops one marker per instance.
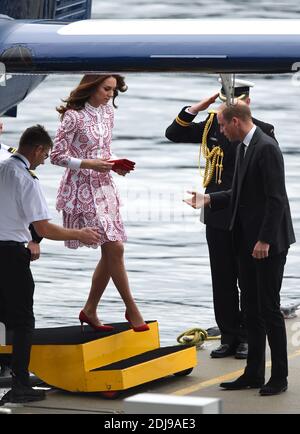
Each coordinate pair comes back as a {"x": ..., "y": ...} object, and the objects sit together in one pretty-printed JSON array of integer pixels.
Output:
[{"x": 222, "y": 256}]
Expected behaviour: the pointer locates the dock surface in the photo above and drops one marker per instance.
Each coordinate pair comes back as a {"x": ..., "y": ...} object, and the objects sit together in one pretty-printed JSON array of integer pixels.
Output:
[{"x": 202, "y": 382}]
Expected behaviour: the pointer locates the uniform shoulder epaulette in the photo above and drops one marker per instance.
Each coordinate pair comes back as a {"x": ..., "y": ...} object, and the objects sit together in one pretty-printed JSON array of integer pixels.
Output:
[
  {"x": 12, "y": 150},
  {"x": 31, "y": 172}
]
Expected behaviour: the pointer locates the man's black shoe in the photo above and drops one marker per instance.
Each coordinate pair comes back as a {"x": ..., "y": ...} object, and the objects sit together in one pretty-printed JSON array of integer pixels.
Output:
[
  {"x": 242, "y": 351},
  {"x": 224, "y": 350},
  {"x": 274, "y": 387},
  {"x": 243, "y": 383},
  {"x": 20, "y": 394},
  {"x": 6, "y": 398}
]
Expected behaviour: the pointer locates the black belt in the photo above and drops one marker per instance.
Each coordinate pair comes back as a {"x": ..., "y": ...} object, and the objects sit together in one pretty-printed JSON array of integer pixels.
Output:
[{"x": 11, "y": 244}]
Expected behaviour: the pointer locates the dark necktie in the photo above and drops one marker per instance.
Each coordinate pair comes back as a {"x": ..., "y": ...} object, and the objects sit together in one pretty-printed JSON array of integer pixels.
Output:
[
  {"x": 241, "y": 156},
  {"x": 236, "y": 190}
]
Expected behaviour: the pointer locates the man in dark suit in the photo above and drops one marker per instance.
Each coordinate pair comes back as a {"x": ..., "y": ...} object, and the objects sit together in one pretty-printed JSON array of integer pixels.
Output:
[
  {"x": 262, "y": 232},
  {"x": 223, "y": 262}
]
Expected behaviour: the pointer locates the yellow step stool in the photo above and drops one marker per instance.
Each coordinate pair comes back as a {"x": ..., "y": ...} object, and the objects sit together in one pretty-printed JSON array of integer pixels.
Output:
[{"x": 108, "y": 362}]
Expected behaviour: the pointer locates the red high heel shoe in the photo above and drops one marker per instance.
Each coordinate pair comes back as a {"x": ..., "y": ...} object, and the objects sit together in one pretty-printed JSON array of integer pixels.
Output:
[
  {"x": 84, "y": 318},
  {"x": 141, "y": 328}
]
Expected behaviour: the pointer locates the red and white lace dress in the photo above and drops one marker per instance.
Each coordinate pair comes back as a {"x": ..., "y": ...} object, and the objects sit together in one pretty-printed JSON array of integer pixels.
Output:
[{"x": 85, "y": 197}]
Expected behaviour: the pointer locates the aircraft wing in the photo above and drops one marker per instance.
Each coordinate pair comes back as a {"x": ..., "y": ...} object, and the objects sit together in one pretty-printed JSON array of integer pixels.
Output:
[{"x": 222, "y": 46}]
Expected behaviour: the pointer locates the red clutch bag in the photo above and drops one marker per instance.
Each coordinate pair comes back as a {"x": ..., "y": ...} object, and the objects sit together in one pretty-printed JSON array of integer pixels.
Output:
[{"x": 123, "y": 164}]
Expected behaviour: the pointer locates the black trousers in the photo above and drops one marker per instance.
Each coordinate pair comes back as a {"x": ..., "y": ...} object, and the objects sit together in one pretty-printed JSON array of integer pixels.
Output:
[
  {"x": 261, "y": 284},
  {"x": 224, "y": 272},
  {"x": 16, "y": 304}
]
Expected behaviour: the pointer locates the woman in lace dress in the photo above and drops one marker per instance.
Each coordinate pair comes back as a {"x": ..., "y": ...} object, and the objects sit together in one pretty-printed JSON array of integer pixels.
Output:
[{"x": 87, "y": 195}]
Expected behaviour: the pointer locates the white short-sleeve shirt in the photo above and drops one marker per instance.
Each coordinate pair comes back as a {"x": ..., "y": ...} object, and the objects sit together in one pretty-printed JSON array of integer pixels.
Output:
[{"x": 21, "y": 200}]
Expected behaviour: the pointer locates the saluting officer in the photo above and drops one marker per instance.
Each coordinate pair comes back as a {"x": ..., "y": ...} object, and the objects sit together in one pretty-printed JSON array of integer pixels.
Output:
[
  {"x": 219, "y": 154},
  {"x": 22, "y": 204}
]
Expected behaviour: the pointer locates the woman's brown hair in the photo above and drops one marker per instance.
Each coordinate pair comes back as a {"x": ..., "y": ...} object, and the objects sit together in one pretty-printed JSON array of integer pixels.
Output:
[{"x": 86, "y": 88}]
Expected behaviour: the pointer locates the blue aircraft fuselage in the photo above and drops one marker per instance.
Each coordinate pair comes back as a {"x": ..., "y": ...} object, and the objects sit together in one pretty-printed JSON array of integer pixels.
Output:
[
  {"x": 40, "y": 47},
  {"x": 49, "y": 47}
]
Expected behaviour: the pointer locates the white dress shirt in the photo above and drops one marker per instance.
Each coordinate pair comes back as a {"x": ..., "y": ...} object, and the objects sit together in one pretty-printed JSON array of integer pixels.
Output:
[
  {"x": 190, "y": 112},
  {"x": 248, "y": 138},
  {"x": 21, "y": 200}
]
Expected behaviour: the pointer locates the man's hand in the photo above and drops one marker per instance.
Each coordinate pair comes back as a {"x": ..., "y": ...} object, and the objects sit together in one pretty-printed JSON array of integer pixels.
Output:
[
  {"x": 261, "y": 250},
  {"x": 198, "y": 200},
  {"x": 89, "y": 236},
  {"x": 35, "y": 250},
  {"x": 204, "y": 104}
]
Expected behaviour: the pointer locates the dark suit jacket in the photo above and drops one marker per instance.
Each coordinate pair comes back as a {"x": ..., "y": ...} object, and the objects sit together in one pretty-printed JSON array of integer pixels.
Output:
[
  {"x": 258, "y": 196},
  {"x": 193, "y": 134}
]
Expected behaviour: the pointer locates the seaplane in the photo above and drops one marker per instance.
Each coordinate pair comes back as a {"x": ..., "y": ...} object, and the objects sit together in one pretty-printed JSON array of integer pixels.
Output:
[{"x": 43, "y": 37}]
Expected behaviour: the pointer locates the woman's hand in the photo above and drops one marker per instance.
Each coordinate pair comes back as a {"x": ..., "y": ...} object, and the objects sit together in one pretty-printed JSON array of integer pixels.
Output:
[
  {"x": 121, "y": 172},
  {"x": 98, "y": 165}
]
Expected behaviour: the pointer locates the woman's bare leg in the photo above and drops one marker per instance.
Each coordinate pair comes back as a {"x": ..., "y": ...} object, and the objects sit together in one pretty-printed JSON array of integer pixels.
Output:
[
  {"x": 114, "y": 254},
  {"x": 100, "y": 281}
]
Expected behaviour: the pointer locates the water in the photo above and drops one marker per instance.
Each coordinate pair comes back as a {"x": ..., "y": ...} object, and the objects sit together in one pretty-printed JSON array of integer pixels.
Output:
[{"x": 166, "y": 255}]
